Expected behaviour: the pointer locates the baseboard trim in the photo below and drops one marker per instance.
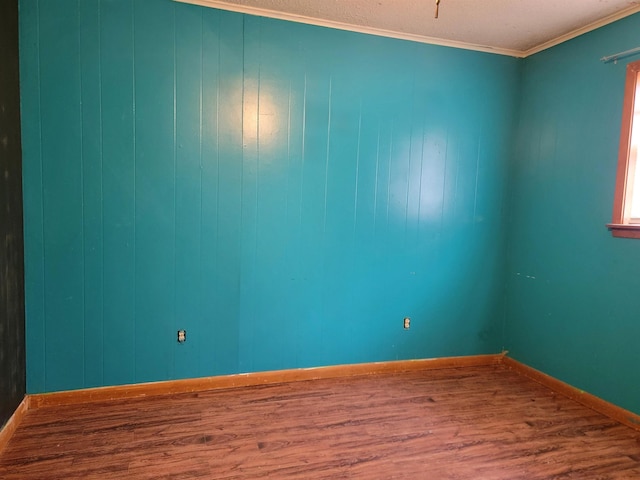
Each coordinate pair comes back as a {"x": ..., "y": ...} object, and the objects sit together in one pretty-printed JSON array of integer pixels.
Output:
[
  {"x": 193, "y": 385},
  {"x": 14, "y": 421},
  {"x": 251, "y": 379},
  {"x": 597, "y": 404}
]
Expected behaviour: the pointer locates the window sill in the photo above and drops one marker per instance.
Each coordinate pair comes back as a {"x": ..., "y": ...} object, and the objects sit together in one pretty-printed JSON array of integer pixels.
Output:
[{"x": 623, "y": 230}]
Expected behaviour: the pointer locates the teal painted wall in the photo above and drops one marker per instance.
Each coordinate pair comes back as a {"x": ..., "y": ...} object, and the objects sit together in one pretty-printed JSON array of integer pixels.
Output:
[
  {"x": 572, "y": 296},
  {"x": 285, "y": 193}
]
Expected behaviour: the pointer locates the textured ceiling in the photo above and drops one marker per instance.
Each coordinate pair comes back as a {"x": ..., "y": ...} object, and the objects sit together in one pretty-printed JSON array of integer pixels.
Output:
[{"x": 512, "y": 27}]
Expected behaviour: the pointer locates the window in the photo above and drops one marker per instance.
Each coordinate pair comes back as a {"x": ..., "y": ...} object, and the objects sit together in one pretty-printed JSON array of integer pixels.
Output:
[{"x": 626, "y": 203}]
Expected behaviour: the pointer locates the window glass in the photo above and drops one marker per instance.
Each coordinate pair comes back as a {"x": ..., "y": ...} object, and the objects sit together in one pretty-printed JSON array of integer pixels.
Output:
[{"x": 634, "y": 188}]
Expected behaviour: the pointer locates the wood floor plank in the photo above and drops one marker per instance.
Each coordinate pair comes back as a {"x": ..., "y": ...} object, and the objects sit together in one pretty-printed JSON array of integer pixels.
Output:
[{"x": 485, "y": 422}]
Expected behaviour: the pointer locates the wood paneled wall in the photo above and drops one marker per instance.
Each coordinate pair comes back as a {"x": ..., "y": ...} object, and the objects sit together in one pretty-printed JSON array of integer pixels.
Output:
[
  {"x": 285, "y": 193},
  {"x": 571, "y": 297}
]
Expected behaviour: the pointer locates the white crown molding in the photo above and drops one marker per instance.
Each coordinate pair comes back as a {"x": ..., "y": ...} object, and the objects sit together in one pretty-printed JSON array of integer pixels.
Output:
[
  {"x": 319, "y": 22},
  {"x": 263, "y": 12},
  {"x": 588, "y": 28}
]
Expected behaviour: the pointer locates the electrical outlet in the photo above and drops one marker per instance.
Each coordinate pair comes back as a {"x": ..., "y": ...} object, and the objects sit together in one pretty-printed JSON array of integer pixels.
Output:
[
  {"x": 182, "y": 336},
  {"x": 407, "y": 323}
]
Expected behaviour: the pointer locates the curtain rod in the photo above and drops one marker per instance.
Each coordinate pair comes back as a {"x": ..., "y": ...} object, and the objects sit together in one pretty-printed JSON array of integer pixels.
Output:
[{"x": 617, "y": 56}]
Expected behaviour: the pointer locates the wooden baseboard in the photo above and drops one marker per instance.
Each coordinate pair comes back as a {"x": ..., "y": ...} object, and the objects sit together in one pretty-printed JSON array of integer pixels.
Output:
[
  {"x": 612, "y": 411},
  {"x": 251, "y": 379},
  {"x": 282, "y": 376},
  {"x": 12, "y": 424}
]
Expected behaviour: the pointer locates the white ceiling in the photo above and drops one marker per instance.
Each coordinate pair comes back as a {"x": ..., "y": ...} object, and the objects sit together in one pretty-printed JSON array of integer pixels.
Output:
[{"x": 510, "y": 27}]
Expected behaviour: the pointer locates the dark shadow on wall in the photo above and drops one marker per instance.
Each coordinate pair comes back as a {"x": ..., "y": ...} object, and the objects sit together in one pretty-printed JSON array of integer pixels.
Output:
[{"x": 12, "y": 324}]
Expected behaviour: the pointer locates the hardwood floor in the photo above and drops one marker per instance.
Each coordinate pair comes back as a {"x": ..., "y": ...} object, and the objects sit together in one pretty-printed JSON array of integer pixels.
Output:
[{"x": 461, "y": 423}]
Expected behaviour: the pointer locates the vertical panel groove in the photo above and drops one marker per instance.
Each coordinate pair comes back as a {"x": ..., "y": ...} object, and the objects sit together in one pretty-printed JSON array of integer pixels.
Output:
[
  {"x": 475, "y": 190},
  {"x": 201, "y": 292},
  {"x": 175, "y": 189},
  {"x": 444, "y": 181},
  {"x": 135, "y": 187},
  {"x": 219, "y": 59},
  {"x": 42, "y": 198},
  {"x": 375, "y": 184},
  {"x": 420, "y": 188},
  {"x": 82, "y": 203},
  {"x": 287, "y": 184},
  {"x": 258, "y": 160},
  {"x": 326, "y": 165},
  {"x": 100, "y": 126},
  {"x": 304, "y": 150},
  {"x": 408, "y": 179},
  {"x": 201, "y": 174},
  {"x": 392, "y": 131},
  {"x": 355, "y": 186}
]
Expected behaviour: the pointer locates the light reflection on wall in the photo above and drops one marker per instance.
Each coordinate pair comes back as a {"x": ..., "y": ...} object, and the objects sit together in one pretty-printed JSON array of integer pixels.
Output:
[
  {"x": 433, "y": 188},
  {"x": 264, "y": 120},
  {"x": 424, "y": 178}
]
